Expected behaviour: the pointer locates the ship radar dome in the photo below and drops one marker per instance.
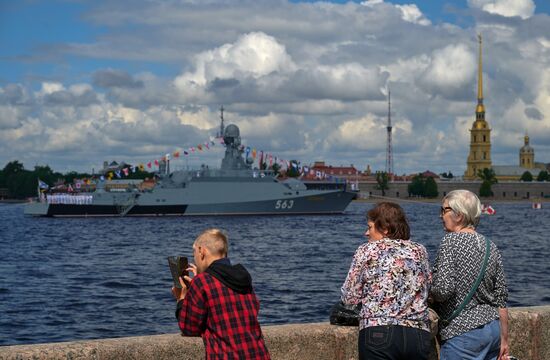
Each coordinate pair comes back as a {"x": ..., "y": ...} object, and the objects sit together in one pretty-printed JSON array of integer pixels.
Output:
[{"x": 231, "y": 133}]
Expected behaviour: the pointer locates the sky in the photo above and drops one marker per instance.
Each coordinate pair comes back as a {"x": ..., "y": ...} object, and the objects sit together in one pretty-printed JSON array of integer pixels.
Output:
[{"x": 82, "y": 82}]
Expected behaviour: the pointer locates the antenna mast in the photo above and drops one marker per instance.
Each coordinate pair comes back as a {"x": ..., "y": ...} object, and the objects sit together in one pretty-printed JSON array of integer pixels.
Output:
[
  {"x": 389, "y": 152},
  {"x": 222, "y": 128}
]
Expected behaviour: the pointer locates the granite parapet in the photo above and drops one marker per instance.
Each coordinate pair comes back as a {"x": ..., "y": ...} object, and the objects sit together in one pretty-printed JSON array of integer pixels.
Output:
[{"x": 529, "y": 340}]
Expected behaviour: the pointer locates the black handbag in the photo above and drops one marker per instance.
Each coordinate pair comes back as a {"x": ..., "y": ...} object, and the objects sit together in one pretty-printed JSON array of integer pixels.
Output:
[{"x": 344, "y": 314}]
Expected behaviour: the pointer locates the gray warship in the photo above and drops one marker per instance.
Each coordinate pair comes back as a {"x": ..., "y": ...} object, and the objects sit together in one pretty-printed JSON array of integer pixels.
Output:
[{"x": 234, "y": 189}]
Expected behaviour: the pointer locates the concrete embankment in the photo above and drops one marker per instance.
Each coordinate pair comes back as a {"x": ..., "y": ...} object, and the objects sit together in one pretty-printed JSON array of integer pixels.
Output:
[{"x": 529, "y": 340}]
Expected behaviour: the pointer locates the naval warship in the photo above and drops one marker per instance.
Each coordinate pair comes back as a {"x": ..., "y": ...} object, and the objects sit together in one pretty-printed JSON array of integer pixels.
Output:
[{"x": 234, "y": 189}]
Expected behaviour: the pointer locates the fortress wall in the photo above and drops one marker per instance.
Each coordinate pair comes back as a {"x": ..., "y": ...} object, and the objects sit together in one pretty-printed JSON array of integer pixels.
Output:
[
  {"x": 502, "y": 191},
  {"x": 529, "y": 339}
]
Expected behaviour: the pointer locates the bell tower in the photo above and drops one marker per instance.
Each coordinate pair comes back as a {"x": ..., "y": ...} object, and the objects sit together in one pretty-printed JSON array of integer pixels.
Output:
[
  {"x": 480, "y": 133},
  {"x": 526, "y": 155}
]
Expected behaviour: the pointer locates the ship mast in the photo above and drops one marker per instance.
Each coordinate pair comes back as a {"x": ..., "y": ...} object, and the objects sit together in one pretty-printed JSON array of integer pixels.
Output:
[{"x": 222, "y": 128}]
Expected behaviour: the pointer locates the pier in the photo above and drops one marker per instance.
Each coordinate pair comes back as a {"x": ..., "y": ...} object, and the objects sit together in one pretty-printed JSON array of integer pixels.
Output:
[{"x": 529, "y": 340}]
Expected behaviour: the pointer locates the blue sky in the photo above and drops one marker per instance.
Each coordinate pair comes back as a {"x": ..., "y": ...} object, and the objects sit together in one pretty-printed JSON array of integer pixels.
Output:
[{"x": 87, "y": 81}]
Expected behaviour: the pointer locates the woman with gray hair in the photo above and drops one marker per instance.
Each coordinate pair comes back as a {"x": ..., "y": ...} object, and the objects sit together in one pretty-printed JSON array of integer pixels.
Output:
[{"x": 469, "y": 288}]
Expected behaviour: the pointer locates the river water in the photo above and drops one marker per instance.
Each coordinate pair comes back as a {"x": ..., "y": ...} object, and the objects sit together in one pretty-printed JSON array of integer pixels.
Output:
[{"x": 87, "y": 278}]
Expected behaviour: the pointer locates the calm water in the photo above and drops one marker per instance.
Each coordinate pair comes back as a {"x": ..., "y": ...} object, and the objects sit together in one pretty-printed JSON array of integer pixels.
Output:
[{"x": 68, "y": 279}]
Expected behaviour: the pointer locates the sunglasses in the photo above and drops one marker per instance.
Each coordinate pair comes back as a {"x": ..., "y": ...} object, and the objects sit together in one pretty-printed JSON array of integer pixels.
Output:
[{"x": 445, "y": 210}]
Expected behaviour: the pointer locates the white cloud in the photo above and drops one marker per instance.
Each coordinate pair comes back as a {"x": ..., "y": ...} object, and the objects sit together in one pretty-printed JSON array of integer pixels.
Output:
[
  {"x": 411, "y": 13},
  {"x": 50, "y": 88},
  {"x": 451, "y": 70},
  {"x": 522, "y": 8},
  {"x": 254, "y": 54}
]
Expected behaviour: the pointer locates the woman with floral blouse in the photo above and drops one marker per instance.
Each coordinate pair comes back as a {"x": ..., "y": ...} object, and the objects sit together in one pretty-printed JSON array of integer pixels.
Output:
[{"x": 390, "y": 277}]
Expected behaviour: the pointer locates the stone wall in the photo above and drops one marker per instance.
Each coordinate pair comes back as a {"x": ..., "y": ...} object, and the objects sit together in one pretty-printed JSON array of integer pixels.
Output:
[
  {"x": 529, "y": 339},
  {"x": 502, "y": 191}
]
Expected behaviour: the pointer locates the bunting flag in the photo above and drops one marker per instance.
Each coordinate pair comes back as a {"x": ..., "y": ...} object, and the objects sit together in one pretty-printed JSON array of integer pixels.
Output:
[
  {"x": 70, "y": 188},
  {"x": 192, "y": 149},
  {"x": 199, "y": 147},
  {"x": 185, "y": 152},
  {"x": 254, "y": 153},
  {"x": 125, "y": 171},
  {"x": 261, "y": 160},
  {"x": 206, "y": 144},
  {"x": 247, "y": 152},
  {"x": 141, "y": 167},
  {"x": 102, "y": 178},
  {"x": 42, "y": 184},
  {"x": 176, "y": 154},
  {"x": 117, "y": 173}
]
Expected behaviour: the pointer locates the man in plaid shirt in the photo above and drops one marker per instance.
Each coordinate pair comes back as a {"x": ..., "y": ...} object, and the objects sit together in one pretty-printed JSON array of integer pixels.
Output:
[{"x": 219, "y": 304}]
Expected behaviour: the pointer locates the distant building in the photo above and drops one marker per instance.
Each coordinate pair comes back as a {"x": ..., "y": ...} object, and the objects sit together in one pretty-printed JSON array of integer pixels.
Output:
[
  {"x": 526, "y": 163},
  {"x": 429, "y": 173},
  {"x": 337, "y": 171}
]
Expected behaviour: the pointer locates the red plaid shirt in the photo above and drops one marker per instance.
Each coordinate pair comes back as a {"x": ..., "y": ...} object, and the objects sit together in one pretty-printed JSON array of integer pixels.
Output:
[{"x": 226, "y": 320}]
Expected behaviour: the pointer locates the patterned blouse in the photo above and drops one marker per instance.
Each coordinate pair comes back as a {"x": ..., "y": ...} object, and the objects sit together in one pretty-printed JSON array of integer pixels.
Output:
[
  {"x": 456, "y": 269},
  {"x": 391, "y": 279}
]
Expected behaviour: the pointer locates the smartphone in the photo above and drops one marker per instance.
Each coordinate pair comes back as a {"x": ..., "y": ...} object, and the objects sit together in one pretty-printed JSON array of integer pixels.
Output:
[{"x": 178, "y": 268}]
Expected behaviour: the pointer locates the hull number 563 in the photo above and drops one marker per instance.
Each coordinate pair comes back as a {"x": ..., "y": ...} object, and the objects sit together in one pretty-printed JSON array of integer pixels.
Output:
[{"x": 284, "y": 204}]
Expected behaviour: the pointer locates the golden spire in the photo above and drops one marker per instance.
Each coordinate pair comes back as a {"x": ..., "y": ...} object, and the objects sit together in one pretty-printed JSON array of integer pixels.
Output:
[{"x": 480, "y": 108}]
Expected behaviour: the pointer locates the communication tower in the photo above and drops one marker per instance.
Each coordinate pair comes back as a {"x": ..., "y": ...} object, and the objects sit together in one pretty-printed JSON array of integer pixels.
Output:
[
  {"x": 222, "y": 128},
  {"x": 389, "y": 152}
]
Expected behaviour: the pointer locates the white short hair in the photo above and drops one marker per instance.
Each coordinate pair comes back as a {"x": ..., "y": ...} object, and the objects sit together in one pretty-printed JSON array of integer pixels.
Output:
[{"x": 465, "y": 203}]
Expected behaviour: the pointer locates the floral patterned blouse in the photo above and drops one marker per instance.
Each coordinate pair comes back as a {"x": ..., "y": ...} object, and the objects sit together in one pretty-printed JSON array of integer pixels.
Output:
[{"x": 391, "y": 279}]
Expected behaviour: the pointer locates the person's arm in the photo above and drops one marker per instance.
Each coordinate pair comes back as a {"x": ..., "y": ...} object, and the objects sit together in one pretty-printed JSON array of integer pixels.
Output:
[
  {"x": 504, "y": 350},
  {"x": 191, "y": 310},
  {"x": 500, "y": 293},
  {"x": 353, "y": 288},
  {"x": 443, "y": 275}
]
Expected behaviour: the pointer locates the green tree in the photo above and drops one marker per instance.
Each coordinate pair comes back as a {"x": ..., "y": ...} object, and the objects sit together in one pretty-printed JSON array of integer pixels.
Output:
[
  {"x": 16, "y": 180},
  {"x": 488, "y": 178},
  {"x": 416, "y": 187},
  {"x": 382, "y": 179},
  {"x": 485, "y": 189},
  {"x": 526, "y": 176},
  {"x": 430, "y": 188},
  {"x": 543, "y": 176}
]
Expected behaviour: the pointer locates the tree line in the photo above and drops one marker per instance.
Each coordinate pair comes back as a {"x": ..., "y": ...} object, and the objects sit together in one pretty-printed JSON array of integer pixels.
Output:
[{"x": 22, "y": 183}]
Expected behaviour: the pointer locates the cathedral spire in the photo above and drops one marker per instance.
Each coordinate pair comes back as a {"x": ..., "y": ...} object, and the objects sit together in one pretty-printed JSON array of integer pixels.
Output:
[{"x": 480, "y": 108}]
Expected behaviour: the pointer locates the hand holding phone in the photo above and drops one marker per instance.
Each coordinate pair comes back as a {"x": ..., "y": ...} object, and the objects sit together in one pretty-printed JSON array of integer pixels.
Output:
[{"x": 178, "y": 268}]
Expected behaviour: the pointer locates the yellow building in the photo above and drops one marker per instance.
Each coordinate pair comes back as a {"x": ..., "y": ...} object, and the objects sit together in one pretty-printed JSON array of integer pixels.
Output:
[
  {"x": 480, "y": 133},
  {"x": 526, "y": 155},
  {"x": 526, "y": 163}
]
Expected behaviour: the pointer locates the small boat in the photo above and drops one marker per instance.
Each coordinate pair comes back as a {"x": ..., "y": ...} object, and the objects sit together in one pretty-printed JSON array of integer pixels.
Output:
[{"x": 487, "y": 210}]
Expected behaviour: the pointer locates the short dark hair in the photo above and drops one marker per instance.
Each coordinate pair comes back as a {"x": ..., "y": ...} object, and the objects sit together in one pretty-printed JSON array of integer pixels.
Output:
[{"x": 390, "y": 217}]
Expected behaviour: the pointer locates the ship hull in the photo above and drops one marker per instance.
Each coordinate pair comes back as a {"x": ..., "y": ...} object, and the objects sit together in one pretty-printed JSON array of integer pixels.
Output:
[{"x": 318, "y": 203}]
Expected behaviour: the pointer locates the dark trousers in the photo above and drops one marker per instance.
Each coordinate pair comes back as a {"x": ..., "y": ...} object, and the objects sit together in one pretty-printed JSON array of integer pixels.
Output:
[{"x": 394, "y": 342}]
